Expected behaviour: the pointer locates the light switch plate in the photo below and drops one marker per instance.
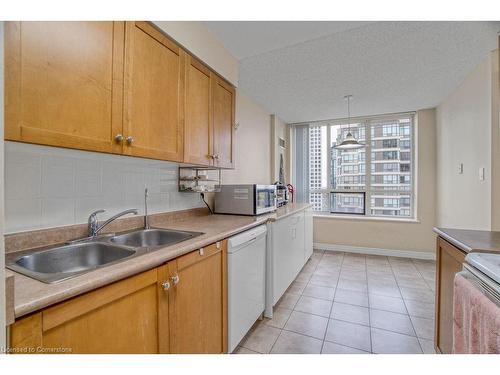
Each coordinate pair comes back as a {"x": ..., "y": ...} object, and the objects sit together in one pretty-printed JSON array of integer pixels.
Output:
[
  {"x": 481, "y": 174},
  {"x": 461, "y": 168}
]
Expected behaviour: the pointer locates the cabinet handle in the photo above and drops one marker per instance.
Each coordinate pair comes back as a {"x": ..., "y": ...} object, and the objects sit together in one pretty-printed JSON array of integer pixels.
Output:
[
  {"x": 165, "y": 285},
  {"x": 119, "y": 138},
  {"x": 210, "y": 156},
  {"x": 216, "y": 156},
  {"x": 130, "y": 140},
  {"x": 175, "y": 279}
]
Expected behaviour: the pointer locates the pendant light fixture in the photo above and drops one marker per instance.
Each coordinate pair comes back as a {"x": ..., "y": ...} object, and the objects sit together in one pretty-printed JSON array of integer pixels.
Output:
[{"x": 349, "y": 143}]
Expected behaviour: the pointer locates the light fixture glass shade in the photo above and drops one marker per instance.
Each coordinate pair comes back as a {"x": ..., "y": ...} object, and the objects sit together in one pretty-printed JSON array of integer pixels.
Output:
[{"x": 349, "y": 143}]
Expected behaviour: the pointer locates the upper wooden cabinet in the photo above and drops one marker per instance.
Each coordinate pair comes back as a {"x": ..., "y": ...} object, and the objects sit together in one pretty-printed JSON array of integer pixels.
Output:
[
  {"x": 153, "y": 125},
  {"x": 198, "y": 126},
  {"x": 210, "y": 103},
  {"x": 59, "y": 83},
  {"x": 120, "y": 87},
  {"x": 223, "y": 123}
]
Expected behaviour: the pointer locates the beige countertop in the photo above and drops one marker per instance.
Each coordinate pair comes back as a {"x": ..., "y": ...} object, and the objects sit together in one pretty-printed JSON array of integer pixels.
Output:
[
  {"x": 471, "y": 240},
  {"x": 31, "y": 295},
  {"x": 9, "y": 297}
]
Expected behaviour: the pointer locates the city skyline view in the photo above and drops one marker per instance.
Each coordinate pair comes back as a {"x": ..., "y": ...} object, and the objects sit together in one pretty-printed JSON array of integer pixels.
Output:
[{"x": 339, "y": 181}]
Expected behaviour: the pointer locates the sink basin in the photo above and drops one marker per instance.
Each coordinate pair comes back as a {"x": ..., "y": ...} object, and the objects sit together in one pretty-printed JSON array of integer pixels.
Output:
[
  {"x": 153, "y": 237},
  {"x": 66, "y": 261}
]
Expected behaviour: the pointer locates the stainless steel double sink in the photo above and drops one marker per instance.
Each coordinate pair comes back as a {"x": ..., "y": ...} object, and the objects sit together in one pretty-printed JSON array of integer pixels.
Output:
[{"x": 63, "y": 262}]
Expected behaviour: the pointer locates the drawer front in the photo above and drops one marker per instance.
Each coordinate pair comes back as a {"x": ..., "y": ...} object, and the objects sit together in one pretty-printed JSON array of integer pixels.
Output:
[{"x": 198, "y": 255}]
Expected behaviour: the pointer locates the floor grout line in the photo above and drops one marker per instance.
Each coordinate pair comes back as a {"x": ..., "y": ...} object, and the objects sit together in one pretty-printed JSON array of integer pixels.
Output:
[
  {"x": 293, "y": 309},
  {"x": 333, "y": 301},
  {"x": 411, "y": 322},
  {"x": 347, "y": 269},
  {"x": 369, "y": 310}
]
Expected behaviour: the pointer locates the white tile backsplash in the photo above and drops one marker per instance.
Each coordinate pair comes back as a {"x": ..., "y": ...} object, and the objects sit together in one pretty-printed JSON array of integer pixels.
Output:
[
  {"x": 22, "y": 213},
  {"x": 58, "y": 176},
  {"x": 24, "y": 171},
  {"x": 47, "y": 186},
  {"x": 88, "y": 177}
]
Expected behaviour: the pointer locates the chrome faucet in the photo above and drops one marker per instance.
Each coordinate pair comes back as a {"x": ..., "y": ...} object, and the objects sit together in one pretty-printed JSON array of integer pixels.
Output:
[
  {"x": 95, "y": 228},
  {"x": 146, "y": 219}
]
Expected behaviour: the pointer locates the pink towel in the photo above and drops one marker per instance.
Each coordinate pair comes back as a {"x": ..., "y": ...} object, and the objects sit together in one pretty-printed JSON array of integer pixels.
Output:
[{"x": 476, "y": 320}]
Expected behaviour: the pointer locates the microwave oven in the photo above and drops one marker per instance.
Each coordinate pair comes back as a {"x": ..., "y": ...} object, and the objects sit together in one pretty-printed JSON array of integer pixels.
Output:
[{"x": 248, "y": 199}]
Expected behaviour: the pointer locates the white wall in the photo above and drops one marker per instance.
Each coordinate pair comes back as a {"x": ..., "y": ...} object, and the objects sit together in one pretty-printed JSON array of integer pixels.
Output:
[
  {"x": 48, "y": 187},
  {"x": 279, "y": 129},
  {"x": 394, "y": 235},
  {"x": 464, "y": 135},
  {"x": 252, "y": 144},
  {"x": 2, "y": 252},
  {"x": 198, "y": 40},
  {"x": 495, "y": 143}
]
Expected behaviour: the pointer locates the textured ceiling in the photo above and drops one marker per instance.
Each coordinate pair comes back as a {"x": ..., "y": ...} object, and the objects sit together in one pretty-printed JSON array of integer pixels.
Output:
[
  {"x": 387, "y": 66},
  {"x": 250, "y": 38}
]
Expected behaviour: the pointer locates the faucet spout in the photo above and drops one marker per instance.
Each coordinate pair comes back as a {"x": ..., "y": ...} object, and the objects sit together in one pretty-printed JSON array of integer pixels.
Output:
[
  {"x": 113, "y": 218},
  {"x": 146, "y": 217}
]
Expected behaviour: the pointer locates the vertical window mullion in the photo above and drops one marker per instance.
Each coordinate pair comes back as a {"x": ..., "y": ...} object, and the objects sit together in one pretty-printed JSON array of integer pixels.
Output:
[
  {"x": 368, "y": 167},
  {"x": 413, "y": 169},
  {"x": 328, "y": 166}
]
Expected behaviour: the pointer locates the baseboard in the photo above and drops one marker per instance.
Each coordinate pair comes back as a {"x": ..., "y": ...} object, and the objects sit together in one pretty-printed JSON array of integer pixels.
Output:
[{"x": 374, "y": 251}]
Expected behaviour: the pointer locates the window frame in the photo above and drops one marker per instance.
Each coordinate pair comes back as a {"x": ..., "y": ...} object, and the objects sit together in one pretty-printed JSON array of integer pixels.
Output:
[{"x": 368, "y": 122}]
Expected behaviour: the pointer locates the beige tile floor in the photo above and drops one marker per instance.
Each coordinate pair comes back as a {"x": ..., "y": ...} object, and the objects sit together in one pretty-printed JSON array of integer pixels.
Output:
[{"x": 351, "y": 303}]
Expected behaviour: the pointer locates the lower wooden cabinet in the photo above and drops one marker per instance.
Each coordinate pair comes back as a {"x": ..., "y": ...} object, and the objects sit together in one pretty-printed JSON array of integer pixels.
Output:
[
  {"x": 449, "y": 261},
  {"x": 179, "y": 307},
  {"x": 198, "y": 298}
]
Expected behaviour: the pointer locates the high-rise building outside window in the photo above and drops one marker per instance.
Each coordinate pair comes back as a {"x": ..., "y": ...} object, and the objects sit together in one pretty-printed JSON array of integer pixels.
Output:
[{"x": 373, "y": 181}]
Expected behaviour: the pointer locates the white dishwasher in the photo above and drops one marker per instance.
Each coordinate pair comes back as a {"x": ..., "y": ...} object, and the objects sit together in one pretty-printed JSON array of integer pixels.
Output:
[{"x": 246, "y": 258}]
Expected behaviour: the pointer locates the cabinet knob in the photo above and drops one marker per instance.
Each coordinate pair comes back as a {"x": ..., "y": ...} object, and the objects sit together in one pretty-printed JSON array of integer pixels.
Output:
[
  {"x": 130, "y": 140},
  {"x": 216, "y": 156},
  {"x": 175, "y": 279},
  {"x": 119, "y": 138},
  {"x": 165, "y": 285}
]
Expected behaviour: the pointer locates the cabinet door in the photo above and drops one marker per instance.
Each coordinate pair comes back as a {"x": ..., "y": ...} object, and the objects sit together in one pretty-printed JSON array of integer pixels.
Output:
[
  {"x": 298, "y": 240},
  {"x": 198, "y": 127},
  {"x": 449, "y": 261},
  {"x": 198, "y": 317},
  {"x": 223, "y": 123},
  {"x": 308, "y": 217},
  {"x": 153, "y": 94},
  {"x": 63, "y": 83},
  {"x": 164, "y": 287},
  {"x": 118, "y": 318},
  {"x": 282, "y": 259}
]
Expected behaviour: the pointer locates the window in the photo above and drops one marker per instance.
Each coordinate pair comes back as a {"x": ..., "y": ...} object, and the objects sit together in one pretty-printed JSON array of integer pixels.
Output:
[
  {"x": 347, "y": 203},
  {"x": 389, "y": 143},
  {"x": 374, "y": 181}
]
